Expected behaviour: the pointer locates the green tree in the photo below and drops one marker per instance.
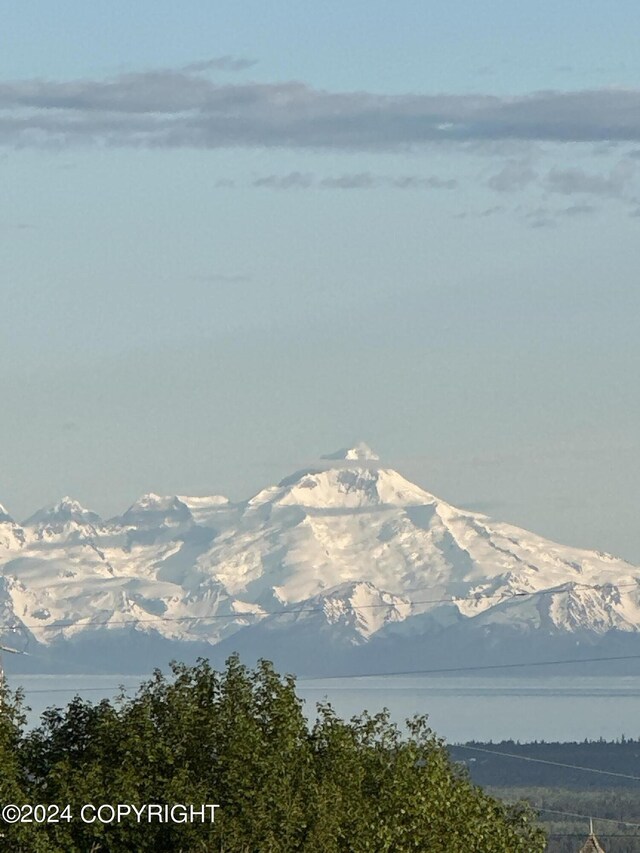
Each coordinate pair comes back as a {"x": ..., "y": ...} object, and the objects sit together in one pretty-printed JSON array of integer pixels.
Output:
[
  {"x": 14, "y": 788},
  {"x": 239, "y": 738}
]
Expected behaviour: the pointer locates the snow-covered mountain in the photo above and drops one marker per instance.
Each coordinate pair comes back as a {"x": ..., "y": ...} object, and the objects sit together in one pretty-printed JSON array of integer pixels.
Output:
[{"x": 346, "y": 566}]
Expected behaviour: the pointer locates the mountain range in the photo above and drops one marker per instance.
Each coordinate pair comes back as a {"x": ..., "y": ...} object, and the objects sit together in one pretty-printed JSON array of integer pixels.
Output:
[{"x": 346, "y": 567}]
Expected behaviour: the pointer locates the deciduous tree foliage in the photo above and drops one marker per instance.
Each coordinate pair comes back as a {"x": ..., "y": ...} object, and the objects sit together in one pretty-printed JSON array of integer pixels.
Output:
[{"x": 239, "y": 738}]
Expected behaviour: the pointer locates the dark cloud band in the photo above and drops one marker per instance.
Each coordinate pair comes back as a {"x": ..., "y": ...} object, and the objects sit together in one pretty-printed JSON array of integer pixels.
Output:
[{"x": 186, "y": 108}]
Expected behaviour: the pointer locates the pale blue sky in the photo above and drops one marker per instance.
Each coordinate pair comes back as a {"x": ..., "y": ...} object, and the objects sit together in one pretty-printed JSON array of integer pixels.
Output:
[
  {"x": 411, "y": 45},
  {"x": 430, "y": 242}
]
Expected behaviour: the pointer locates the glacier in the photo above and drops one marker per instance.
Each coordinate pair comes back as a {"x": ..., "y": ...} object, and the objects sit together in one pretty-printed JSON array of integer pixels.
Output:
[{"x": 343, "y": 568}]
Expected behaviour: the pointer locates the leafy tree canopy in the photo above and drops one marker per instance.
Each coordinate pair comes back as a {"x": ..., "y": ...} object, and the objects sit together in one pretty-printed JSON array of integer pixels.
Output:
[{"x": 239, "y": 739}]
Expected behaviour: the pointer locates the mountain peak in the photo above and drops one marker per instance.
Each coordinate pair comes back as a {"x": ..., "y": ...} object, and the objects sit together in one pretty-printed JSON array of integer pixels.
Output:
[
  {"x": 152, "y": 509},
  {"x": 66, "y": 510},
  {"x": 345, "y": 487},
  {"x": 352, "y": 550},
  {"x": 152, "y": 501},
  {"x": 4, "y": 515},
  {"x": 204, "y": 509},
  {"x": 360, "y": 452},
  {"x": 70, "y": 505}
]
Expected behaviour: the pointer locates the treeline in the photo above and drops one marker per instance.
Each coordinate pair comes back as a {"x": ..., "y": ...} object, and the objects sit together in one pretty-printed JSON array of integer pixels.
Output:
[
  {"x": 239, "y": 739},
  {"x": 611, "y": 809},
  {"x": 487, "y": 767},
  {"x": 562, "y": 794}
]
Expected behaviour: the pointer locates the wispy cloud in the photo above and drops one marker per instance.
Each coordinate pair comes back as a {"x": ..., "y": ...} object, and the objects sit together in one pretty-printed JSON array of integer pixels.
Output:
[
  {"x": 352, "y": 181},
  {"x": 358, "y": 181},
  {"x": 414, "y": 182},
  {"x": 549, "y": 217},
  {"x": 221, "y": 63},
  {"x": 579, "y": 210},
  {"x": 292, "y": 181},
  {"x": 576, "y": 181},
  {"x": 186, "y": 108},
  {"x": 514, "y": 175},
  {"x": 537, "y": 216},
  {"x": 485, "y": 213},
  {"x": 540, "y": 217},
  {"x": 617, "y": 184}
]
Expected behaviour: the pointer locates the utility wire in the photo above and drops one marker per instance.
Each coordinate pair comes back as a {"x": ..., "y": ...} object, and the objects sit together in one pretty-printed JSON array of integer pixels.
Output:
[
  {"x": 439, "y": 671},
  {"x": 564, "y": 765},
  {"x": 547, "y": 761},
  {"x": 454, "y": 746},
  {"x": 587, "y": 817},
  {"x": 293, "y": 611},
  {"x": 603, "y": 835},
  {"x": 434, "y": 671},
  {"x": 77, "y": 690},
  {"x": 570, "y": 767},
  {"x": 479, "y": 668}
]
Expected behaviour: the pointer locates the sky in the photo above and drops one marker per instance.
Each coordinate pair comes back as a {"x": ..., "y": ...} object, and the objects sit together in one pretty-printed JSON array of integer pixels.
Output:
[{"x": 234, "y": 237}]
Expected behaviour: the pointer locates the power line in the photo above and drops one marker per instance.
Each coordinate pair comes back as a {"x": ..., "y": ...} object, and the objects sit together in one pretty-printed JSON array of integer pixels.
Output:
[
  {"x": 77, "y": 690},
  {"x": 547, "y": 761},
  {"x": 408, "y": 672},
  {"x": 499, "y": 753},
  {"x": 605, "y": 835},
  {"x": 571, "y": 767},
  {"x": 471, "y": 668},
  {"x": 293, "y": 611},
  {"x": 587, "y": 817},
  {"x": 353, "y": 675},
  {"x": 436, "y": 671}
]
